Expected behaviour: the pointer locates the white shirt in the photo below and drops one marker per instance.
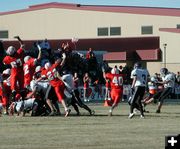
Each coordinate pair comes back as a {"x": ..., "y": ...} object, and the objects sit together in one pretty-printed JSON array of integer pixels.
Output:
[
  {"x": 39, "y": 86},
  {"x": 25, "y": 104},
  {"x": 170, "y": 79},
  {"x": 69, "y": 82},
  {"x": 142, "y": 76}
]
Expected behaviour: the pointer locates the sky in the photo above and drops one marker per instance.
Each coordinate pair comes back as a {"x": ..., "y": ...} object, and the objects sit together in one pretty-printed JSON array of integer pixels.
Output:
[{"x": 9, "y": 5}]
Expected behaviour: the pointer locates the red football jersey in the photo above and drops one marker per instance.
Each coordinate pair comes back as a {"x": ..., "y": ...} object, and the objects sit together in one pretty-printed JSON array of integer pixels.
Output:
[
  {"x": 15, "y": 62},
  {"x": 116, "y": 80},
  {"x": 29, "y": 69},
  {"x": 51, "y": 74}
]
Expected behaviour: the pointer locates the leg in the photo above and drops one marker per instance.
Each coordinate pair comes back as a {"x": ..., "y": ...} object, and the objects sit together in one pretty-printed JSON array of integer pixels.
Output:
[
  {"x": 80, "y": 103},
  {"x": 163, "y": 95}
]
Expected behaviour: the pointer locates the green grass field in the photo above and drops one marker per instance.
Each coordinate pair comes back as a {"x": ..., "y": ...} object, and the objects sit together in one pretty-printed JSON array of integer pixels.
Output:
[{"x": 91, "y": 132}]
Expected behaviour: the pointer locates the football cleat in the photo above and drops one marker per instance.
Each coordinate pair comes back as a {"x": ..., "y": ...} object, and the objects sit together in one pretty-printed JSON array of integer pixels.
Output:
[{"x": 131, "y": 115}]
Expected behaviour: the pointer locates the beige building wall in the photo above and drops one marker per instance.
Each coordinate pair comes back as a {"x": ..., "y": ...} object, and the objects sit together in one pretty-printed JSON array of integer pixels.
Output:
[
  {"x": 56, "y": 23},
  {"x": 172, "y": 50},
  {"x": 154, "y": 67}
]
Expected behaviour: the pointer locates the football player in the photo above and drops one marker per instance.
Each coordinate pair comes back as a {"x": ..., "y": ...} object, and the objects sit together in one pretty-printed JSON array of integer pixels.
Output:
[
  {"x": 116, "y": 81},
  {"x": 29, "y": 68},
  {"x": 14, "y": 58},
  {"x": 55, "y": 80},
  {"x": 71, "y": 84},
  {"x": 5, "y": 89},
  {"x": 140, "y": 79},
  {"x": 168, "y": 80}
]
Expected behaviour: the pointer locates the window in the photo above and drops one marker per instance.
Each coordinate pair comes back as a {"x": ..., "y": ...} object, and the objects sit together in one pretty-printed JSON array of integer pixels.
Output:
[
  {"x": 4, "y": 34},
  {"x": 103, "y": 31},
  {"x": 146, "y": 30},
  {"x": 178, "y": 26},
  {"x": 115, "y": 31}
]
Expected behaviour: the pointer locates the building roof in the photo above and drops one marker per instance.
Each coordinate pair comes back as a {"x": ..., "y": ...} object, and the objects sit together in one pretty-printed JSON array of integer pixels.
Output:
[
  {"x": 171, "y": 30},
  {"x": 116, "y": 56},
  {"x": 103, "y": 8}
]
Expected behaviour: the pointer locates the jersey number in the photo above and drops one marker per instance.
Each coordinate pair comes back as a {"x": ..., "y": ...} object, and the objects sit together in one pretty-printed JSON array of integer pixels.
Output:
[
  {"x": 118, "y": 81},
  {"x": 26, "y": 69}
]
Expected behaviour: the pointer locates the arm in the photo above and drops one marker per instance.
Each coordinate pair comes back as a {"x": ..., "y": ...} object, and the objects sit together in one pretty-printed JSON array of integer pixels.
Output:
[
  {"x": 75, "y": 79},
  {"x": 134, "y": 81},
  {"x": 63, "y": 59},
  {"x": 31, "y": 94},
  {"x": 20, "y": 42},
  {"x": 40, "y": 52},
  {"x": 58, "y": 75},
  {"x": 2, "y": 87}
]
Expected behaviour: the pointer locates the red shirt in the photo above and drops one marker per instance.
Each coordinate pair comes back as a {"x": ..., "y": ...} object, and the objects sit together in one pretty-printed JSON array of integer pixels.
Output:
[
  {"x": 29, "y": 69},
  {"x": 51, "y": 74},
  {"x": 116, "y": 80},
  {"x": 16, "y": 62}
]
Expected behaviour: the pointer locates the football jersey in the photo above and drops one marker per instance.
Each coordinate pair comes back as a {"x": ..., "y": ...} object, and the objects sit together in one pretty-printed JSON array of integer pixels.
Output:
[
  {"x": 142, "y": 76},
  {"x": 51, "y": 75},
  {"x": 68, "y": 81},
  {"x": 29, "y": 69},
  {"x": 15, "y": 62},
  {"x": 26, "y": 104},
  {"x": 116, "y": 80},
  {"x": 40, "y": 86},
  {"x": 170, "y": 78}
]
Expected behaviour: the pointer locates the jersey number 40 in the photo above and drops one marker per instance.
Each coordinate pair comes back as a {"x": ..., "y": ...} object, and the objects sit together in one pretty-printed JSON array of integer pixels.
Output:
[{"x": 118, "y": 81}]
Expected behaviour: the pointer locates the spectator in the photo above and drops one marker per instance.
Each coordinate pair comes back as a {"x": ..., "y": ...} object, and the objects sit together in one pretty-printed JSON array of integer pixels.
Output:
[
  {"x": 90, "y": 54},
  {"x": 86, "y": 80},
  {"x": 178, "y": 77},
  {"x": 46, "y": 52}
]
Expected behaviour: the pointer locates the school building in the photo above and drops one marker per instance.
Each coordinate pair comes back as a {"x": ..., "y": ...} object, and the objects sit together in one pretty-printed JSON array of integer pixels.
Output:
[{"x": 122, "y": 35}]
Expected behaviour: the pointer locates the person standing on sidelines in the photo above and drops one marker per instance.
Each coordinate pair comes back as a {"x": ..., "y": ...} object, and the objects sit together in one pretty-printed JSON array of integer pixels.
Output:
[
  {"x": 116, "y": 81},
  {"x": 140, "y": 79},
  {"x": 86, "y": 80}
]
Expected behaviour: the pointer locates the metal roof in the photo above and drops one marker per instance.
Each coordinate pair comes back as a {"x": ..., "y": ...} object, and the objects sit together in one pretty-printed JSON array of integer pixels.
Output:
[{"x": 103, "y": 8}]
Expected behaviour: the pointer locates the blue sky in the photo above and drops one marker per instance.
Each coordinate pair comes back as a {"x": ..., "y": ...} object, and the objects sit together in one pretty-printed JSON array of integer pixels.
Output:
[{"x": 8, "y": 5}]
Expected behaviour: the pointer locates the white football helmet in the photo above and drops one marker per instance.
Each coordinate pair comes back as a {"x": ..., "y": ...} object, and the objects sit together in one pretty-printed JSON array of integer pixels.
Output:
[
  {"x": 7, "y": 71},
  {"x": 154, "y": 79},
  {"x": 115, "y": 71},
  {"x": 10, "y": 50},
  {"x": 38, "y": 69},
  {"x": 26, "y": 58},
  {"x": 47, "y": 65}
]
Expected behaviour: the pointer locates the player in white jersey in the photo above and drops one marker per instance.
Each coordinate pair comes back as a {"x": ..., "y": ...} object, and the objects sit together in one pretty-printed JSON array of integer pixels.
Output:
[
  {"x": 140, "y": 79},
  {"x": 44, "y": 89},
  {"x": 20, "y": 107},
  {"x": 168, "y": 80},
  {"x": 72, "y": 89}
]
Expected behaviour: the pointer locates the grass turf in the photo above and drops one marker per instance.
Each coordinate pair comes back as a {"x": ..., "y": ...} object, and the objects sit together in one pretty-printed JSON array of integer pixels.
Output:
[{"x": 91, "y": 132}]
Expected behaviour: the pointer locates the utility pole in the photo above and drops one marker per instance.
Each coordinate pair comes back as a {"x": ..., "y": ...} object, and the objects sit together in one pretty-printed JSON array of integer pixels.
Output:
[{"x": 164, "y": 45}]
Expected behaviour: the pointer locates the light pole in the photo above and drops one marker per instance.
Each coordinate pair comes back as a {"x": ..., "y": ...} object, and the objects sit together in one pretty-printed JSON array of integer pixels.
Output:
[{"x": 164, "y": 45}]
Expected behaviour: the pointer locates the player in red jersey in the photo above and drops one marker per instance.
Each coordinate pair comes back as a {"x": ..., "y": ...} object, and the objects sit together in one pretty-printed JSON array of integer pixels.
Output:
[
  {"x": 14, "y": 58},
  {"x": 55, "y": 81},
  {"x": 29, "y": 68},
  {"x": 116, "y": 81},
  {"x": 5, "y": 90}
]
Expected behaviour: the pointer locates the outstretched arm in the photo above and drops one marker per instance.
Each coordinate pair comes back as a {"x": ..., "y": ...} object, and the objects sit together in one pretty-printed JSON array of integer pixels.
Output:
[
  {"x": 20, "y": 42},
  {"x": 40, "y": 52}
]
